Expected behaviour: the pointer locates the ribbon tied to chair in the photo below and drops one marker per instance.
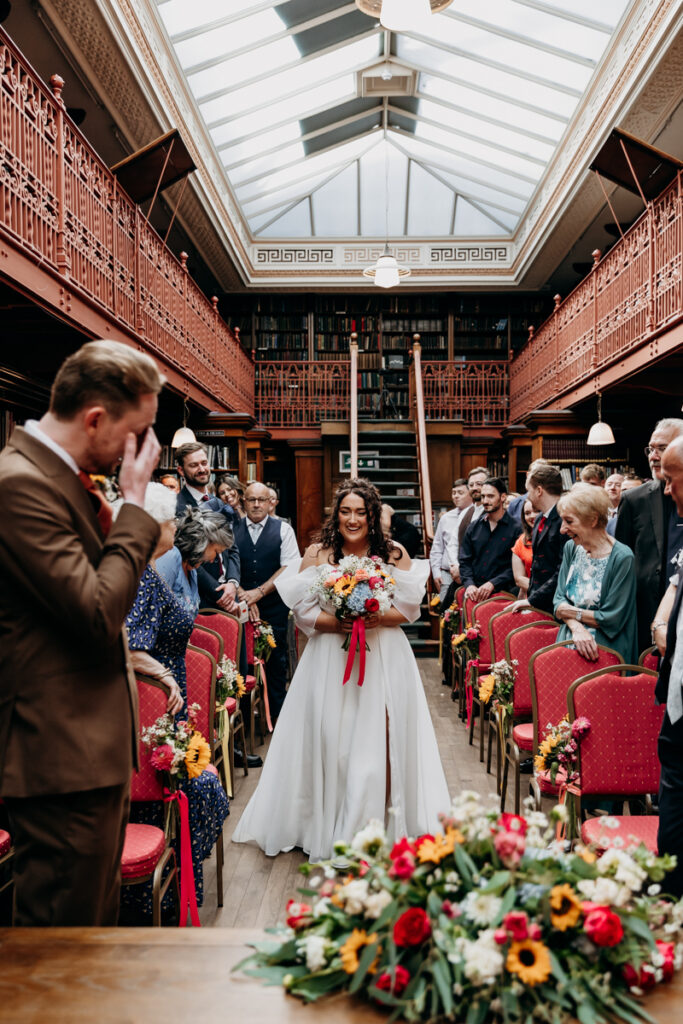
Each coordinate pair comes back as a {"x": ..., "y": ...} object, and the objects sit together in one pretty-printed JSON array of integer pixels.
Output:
[
  {"x": 188, "y": 895},
  {"x": 260, "y": 664},
  {"x": 223, "y": 722},
  {"x": 469, "y": 687},
  {"x": 357, "y": 643}
]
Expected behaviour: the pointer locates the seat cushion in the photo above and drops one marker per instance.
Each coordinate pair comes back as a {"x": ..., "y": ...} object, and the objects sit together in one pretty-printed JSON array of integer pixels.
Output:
[
  {"x": 5, "y": 842},
  {"x": 523, "y": 735},
  {"x": 231, "y": 706},
  {"x": 142, "y": 850},
  {"x": 546, "y": 786},
  {"x": 632, "y": 830},
  {"x": 249, "y": 683}
]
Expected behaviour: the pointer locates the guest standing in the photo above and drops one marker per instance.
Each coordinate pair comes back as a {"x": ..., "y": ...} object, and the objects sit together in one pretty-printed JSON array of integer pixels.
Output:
[
  {"x": 544, "y": 487},
  {"x": 443, "y": 557},
  {"x": 68, "y": 704},
  {"x": 522, "y": 551},
  {"x": 486, "y": 551}
]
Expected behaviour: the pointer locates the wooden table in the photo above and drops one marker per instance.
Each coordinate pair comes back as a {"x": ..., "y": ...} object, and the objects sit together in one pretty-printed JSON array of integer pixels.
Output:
[{"x": 171, "y": 976}]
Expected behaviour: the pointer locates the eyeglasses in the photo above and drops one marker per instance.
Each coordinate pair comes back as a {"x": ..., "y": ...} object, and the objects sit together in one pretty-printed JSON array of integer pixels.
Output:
[
  {"x": 650, "y": 449},
  {"x": 256, "y": 501}
]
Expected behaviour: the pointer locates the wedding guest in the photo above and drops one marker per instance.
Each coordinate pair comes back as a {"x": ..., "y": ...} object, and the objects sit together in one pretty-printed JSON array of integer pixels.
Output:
[
  {"x": 522, "y": 552},
  {"x": 593, "y": 474},
  {"x": 202, "y": 534},
  {"x": 170, "y": 481},
  {"x": 475, "y": 480},
  {"x": 231, "y": 492},
  {"x": 443, "y": 557},
  {"x": 68, "y": 575},
  {"x": 485, "y": 554},
  {"x": 595, "y": 594},
  {"x": 649, "y": 524},
  {"x": 274, "y": 499},
  {"x": 613, "y": 487}
]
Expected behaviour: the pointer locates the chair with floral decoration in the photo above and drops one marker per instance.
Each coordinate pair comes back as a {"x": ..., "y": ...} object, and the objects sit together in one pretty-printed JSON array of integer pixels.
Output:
[
  {"x": 520, "y": 644},
  {"x": 231, "y": 631},
  {"x": 650, "y": 658},
  {"x": 147, "y": 851},
  {"x": 501, "y": 625},
  {"x": 551, "y": 672},
  {"x": 211, "y": 641},
  {"x": 618, "y": 756},
  {"x": 482, "y": 613}
]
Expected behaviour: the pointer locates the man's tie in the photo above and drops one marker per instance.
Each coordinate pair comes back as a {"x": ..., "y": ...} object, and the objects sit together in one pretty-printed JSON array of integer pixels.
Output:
[
  {"x": 205, "y": 497},
  {"x": 103, "y": 509},
  {"x": 255, "y": 531},
  {"x": 541, "y": 524}
]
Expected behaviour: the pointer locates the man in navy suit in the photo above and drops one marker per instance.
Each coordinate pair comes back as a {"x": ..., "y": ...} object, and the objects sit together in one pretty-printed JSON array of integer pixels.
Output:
[
  {"x": 218, "y": 580},
  {"x": 543, "y": 488},
  {"x": 669, "y": 688},
  {"x": 266, "y": 546}
]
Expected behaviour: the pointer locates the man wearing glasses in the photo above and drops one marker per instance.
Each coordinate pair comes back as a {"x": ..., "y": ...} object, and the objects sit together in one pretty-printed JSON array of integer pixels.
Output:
[
  {"x": 266, "y": 545},
  {"x": 649, "y": 523}
]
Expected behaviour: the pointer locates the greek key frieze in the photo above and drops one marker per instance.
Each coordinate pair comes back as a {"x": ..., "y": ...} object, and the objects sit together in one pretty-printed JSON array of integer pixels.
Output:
[
  {"x": 301, "y": 255},
  {"x": 468, "y": 254}
]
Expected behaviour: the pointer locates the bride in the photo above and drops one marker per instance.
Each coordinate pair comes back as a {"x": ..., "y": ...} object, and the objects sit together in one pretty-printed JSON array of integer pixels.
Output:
[{"x": 341, "y": 755}]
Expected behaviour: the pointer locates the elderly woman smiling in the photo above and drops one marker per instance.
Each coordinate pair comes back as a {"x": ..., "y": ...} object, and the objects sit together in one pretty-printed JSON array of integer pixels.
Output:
[
  {"x": 200, "y": 536},
  {"x": 595, "y": 597}
]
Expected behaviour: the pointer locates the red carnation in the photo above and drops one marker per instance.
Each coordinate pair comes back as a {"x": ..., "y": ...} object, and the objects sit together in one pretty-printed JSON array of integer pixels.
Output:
[
  {"x": 400, "y": 847},
  {"x": 666, "y": 950},
  {"x": 298, "y": 914},
  {"x": 517, "y": 924},
  {"x": 604, "y": 927},
  {"x": 403, "y": 866},
  {"x": 161, "y": 758},
  {"x": 395, "y": 985},
  {"x": 513, "y": 823},
  {"x": 371, "y": 604},
  {"x": 412, "y": 928},
  {"x": 375, "y": 581}
]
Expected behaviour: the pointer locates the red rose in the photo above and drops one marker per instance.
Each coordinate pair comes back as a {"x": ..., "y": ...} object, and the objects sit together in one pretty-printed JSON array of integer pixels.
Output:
[
  {"x": 517, "y": 924},
  {"x": 375, "y": 581},
  {"x": 604, "y": 927},
  {"x": 403, "y": 866},
  {"x": 630, "y": 975},
  {"x": 513, "y": 823},
  {"x": 402, "y": 846},
  {"x": 412, "y": 928},
  {"x": 298, "y": 914},
  {"x": 472, "y": 633},
  {"x": 666, "y": 950},
  {"x": 371, "y": 604},
  {"x": 161, "y": 758},
  {"x": 395, "y": 985}
]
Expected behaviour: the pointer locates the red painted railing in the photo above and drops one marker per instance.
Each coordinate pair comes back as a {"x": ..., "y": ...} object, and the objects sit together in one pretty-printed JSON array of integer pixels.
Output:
[
  {"x": 302, "y": 394},
  {"x": 630, "y": 296},
  {"x": 61, "y": 206},
  {"x": 475, "y": 392}
]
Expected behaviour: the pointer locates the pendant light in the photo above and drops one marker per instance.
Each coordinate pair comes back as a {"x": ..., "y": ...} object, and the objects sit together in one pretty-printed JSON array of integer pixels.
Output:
[
  {"x": 600, "y": 433},
  {"x": 183, "y": 435},
  {"x": 386, "y": 272}
]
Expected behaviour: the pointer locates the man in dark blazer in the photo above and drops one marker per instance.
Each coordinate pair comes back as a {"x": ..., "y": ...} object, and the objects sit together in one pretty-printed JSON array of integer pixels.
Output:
[
  {"x": 266, "y": 546},
  {"x": 219, "y": 580},
  {"x": 649, "y": 524},
  {"x": 669, "y": 689},
  {"x": 544, "y": 487},
  {"x": 68, "y": 577}
]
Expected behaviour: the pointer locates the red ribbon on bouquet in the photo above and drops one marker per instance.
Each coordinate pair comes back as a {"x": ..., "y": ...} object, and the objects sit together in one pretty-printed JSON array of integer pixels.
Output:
[
  {"x": 262, "y": 665},
  {"x": 357, "y": 643},
  {"x": 188, "y": 896}
]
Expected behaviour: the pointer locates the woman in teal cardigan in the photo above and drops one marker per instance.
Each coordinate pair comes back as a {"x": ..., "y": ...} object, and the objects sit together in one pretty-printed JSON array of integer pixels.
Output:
[{"x": 595, "y": 597}]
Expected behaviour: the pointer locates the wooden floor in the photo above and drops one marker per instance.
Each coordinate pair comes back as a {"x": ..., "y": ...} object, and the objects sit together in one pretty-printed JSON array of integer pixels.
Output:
[{"x": 256, "y": 888}]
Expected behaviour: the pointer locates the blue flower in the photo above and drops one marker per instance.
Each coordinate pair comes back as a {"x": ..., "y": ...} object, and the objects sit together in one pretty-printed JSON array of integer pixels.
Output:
[{"x": 357, "y": 598}]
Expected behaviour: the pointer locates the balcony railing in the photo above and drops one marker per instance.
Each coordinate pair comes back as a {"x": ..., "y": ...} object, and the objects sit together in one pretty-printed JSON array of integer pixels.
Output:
[
  {"x": 61, "y": 206},
  {"x": 630, "y": 296},
  {"x": 302, "y": 394},
  {"x": 475, "y": 392}
]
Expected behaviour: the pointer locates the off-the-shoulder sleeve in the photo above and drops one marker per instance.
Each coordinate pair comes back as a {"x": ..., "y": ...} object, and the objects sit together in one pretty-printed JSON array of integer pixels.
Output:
[
  {"x": 410, "y": 588},
  {"x": 144, "y": 618},
  {"x": 294, "y": 588}
]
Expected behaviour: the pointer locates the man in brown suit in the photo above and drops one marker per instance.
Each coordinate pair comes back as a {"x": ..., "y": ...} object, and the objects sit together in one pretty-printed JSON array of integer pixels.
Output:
[{"x": 68, "y": 709}]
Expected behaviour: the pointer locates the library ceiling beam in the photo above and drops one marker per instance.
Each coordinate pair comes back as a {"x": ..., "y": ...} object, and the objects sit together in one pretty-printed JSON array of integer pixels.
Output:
[
  {"x": 472, "y": 112},
  {"x": 255, "y": 7},
  {"x": 302, "y": 163},
  {"x": 463, "y": 154},
  {"x": 311, "y": 112},
  {"x": 517, "y": 37},
  {"x": 482, "y": 205},
  {"x": 566, "y": 15}
]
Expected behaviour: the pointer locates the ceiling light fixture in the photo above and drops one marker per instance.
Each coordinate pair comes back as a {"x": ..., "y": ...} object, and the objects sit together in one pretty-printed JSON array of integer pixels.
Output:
[
  {"x": 402, "y": 15},
  {"x": 600, "y": 433},
  {"x": 386, "y": 272},
  {"x": 183, "y": 435}
]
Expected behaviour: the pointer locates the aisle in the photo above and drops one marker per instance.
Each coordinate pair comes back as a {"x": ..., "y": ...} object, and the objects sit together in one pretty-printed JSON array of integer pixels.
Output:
[{"x": 256, "y": 888}]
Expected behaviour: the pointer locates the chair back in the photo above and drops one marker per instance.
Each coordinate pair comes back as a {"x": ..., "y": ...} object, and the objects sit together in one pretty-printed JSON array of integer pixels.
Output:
[
  {"x": 619, "y": 754},
  {"x": 227, "y": 627},
  {"x": 249, "y": 641},
  {"x": 503, "y": 622},
  {"x": 520, "y": 644},
  {"x": 551, "y": 672},
  {"x": 650, "y": 659},
  {"x": 147, "y": 783},
  {"x": 481, "y": 616},
  {"x": 200, "y": 670},
  {"x": 208, "y": 640}
]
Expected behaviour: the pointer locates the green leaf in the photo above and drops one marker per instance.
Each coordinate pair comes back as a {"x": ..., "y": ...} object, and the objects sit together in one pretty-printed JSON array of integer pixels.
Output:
[
  {"x": 640, "y": 927},
  {"x": 326, "y": 981},
  {"x": 387, "y": 998},
  {"x": 442, "y": 980},
  {"x": 461, "y": 862},
  {"x": 275, "y": 975},
  {"x": 510, "y": 1003},
  {"x": 477, "y": 1012},
  {"x": 434, "y": 902},
  {"x": 497, "y": 882},
  {"x": 557, "y": 969},
  {"x": 585, "y": 1011},
  {"x": 390, "y": 913},
  {"x": 367, "y": 957}
]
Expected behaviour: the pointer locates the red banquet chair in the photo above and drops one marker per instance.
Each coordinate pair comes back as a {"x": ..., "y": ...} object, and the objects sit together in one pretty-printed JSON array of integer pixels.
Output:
[
  {"x": 650, "y": 659},
  {"x": 551, "y": 672},
  {"x": 618, "y": 758},
  {"x": 520, "y": 645},
  {"x": 482, "y": 614},
  {"x": 147, "y": 852},
  {"x": 230, "y": 630}
]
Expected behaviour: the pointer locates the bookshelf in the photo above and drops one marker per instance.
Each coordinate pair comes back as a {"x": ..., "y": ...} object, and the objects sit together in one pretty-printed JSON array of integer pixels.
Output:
[{"x": 223, "y": 457}]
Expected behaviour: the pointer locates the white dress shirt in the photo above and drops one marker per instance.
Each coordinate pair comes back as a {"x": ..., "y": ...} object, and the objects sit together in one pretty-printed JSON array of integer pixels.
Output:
[
  {"x": 446, "y": 531},
  {"x": 289, "y": 549},
  {"x": 33, "y": 428}
]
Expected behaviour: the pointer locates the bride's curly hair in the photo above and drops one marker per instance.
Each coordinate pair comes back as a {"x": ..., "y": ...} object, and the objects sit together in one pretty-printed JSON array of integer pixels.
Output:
[{"x": 378, "y": 543}]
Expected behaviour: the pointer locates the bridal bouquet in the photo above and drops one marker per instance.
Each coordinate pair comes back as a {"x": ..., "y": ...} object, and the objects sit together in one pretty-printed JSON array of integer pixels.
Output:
[
  {"x": 177, "y": 747},
  {"x": 487, "y": 920},
  {"x": 357, "y": 587}
]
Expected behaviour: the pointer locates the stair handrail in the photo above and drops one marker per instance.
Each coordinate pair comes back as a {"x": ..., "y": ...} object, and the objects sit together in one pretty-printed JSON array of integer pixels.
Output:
[
  {"x": 353, "y": 402},
  {"x": 422, "y": 458}
]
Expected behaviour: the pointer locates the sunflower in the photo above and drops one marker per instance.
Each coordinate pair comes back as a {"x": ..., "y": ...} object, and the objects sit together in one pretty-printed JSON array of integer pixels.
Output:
[
  {"x": 565, "y": 907},
  {"x": 530, "y": 961},
  {"x": 198, "y": 755},
  {"x": 239, "y": 686},
  {"x": 434, "y": 850},
  {"x": 486, "y": 685},
  {"x": 457, "y": 640},
  {"x": 270, "y": 640},
  {"x": 435, "y": 601},
  {"x": 349, "y": 951}
]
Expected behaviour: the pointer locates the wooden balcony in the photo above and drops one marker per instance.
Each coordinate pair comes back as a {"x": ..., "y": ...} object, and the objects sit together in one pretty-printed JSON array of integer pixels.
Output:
[
  {"x": 619, "y": 319},
  {"x": 77, "y": 244}
]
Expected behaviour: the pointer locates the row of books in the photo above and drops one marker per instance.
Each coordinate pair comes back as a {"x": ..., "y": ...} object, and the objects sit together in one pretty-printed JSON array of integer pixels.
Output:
[
  {"x": 281, "y": 323},
  {"x": 480, "y": 323},
  {"x": 220, "y": 456},
  {"x": 368, "y": 380},
  {"x": 412, "y": 324},
  {"x": 282, "y": 341},
  {"x": 361, "y": 324}
]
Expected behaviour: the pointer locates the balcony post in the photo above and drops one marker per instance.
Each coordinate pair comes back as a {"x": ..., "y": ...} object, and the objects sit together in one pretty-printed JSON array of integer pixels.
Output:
[
  {"x": 63, "y": 263},
  {"x": 596, "y": 254}
]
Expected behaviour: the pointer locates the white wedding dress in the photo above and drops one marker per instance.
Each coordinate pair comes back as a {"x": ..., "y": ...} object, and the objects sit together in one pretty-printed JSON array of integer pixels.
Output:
[{"x": 324, "y": 776}]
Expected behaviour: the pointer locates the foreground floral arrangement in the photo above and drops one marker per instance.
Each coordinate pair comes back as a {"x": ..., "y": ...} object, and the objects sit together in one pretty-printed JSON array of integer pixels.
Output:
[
  {"x": 177, "y": 747},
  {"x": 486, "y": 920}
]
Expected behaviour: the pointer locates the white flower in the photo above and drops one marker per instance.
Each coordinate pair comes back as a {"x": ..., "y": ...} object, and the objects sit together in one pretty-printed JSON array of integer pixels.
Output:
[
  {"x": 481, "y": 907},
  {"x": 354, "y": 896},
  {"x": 376, "y": 902},
  {"x": 623, "y": 867},
  {"x": 605, "y": 891},
  {"x": 371, "y": 840},
  {"x": 321, "y": 906},
  {"x": 560, "y": 812},
  {"x": 314, "y": 948},
  {"x": 483, "y": 959}
]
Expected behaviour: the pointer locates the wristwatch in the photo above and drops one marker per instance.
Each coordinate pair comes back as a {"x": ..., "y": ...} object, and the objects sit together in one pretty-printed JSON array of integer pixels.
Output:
[{"x": 657, "y": 624}]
